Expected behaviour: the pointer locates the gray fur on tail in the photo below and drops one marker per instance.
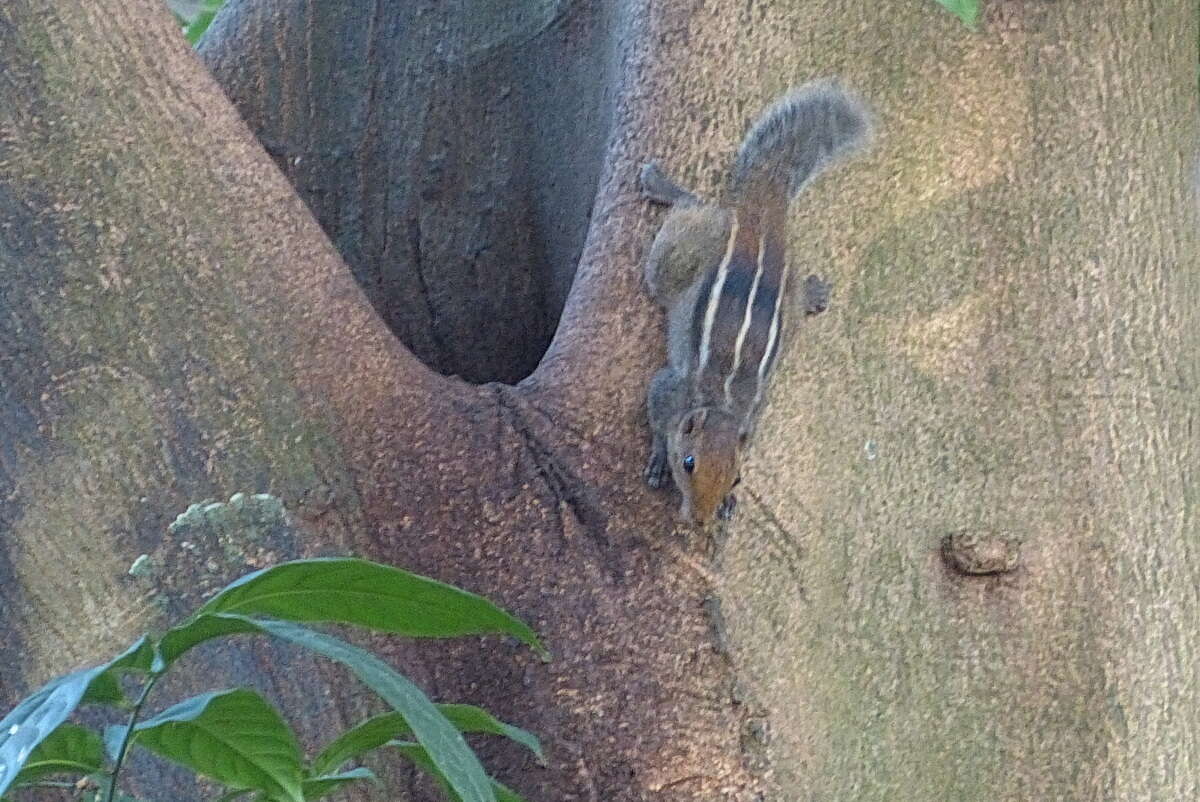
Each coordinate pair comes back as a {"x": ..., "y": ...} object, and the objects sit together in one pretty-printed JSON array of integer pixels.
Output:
[{"x": 800, "y": 134}]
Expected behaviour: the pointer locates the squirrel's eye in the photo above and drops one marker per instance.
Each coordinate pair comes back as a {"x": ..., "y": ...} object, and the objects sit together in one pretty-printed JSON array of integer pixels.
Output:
[{"x": 689, "y": 463}]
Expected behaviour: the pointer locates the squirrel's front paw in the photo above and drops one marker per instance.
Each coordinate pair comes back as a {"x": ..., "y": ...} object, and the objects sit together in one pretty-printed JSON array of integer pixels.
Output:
[
  {"x": 725, "y": 511},
  {"x": 656, "y": 470}
]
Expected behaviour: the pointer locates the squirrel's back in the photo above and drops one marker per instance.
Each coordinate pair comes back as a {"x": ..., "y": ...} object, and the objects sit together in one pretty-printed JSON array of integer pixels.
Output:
[
  {"x": 738, "y": 319},
  {"x": 721, "y": 271},
  {"x": 795, "y": 138}
]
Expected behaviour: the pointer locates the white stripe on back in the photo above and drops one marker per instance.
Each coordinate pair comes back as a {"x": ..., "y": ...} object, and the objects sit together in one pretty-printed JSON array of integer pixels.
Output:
[
  {"x": 741, "y": 337},
  {"x": 772, "y": 334},
  {"x": 714, "y": 298}
]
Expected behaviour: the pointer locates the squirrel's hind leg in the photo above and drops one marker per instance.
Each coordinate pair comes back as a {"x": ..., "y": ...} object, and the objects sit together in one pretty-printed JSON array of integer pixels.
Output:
[
  {"x": 660, "y": 188},
  {"x": 691, "y": 241},
  {"x": 816, "y": 295}
]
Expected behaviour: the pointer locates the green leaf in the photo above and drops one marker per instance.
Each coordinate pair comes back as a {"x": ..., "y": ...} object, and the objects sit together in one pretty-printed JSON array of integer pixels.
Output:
[
  {"x": 469, "y": 718},
  {"x": 367, "y": 594},
  {"x": 40, "y": 713},
  {"x": 965, "y": 10},
  {"x": 506, "y": 794},
  {"x": 317, "y": 787},
  {"x": 70, "y": 749},
  {"x": 445, "y": 744},
  {"x": 106, "y": 687},
  {"x": 235, "y": 737},
  {"x": 114, "y": 735},
  {"x": 379, "y": 730},
  {"x": 417, "y": 754},
  {"x": 202, "y": 20},
  {"x": 194, "y": 31},
  {"x": 360, "y": 739},
  {"x": 197, "y": 630}
]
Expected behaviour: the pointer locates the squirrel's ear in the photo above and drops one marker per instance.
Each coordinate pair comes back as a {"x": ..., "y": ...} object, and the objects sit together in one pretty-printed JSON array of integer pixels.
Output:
[{"x": 689, "y": 424}]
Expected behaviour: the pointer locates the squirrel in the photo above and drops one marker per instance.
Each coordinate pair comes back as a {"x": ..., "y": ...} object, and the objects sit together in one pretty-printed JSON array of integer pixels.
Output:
[{"x": 719, "y": 271}]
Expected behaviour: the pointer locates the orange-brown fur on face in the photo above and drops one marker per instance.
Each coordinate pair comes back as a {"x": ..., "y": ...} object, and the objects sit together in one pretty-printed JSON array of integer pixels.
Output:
[{"x": 711, "y": 438}]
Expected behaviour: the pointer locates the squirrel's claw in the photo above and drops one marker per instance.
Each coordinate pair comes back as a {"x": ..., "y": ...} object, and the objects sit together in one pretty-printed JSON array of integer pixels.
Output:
[
  {"x": 725, "y": 511},
  {"x": 656, "y": 469},
  {"x": 816, "y": 295}
]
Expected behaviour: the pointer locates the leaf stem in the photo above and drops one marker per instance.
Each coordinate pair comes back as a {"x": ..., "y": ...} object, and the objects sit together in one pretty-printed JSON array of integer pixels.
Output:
[{"x": 133, "y": 717}]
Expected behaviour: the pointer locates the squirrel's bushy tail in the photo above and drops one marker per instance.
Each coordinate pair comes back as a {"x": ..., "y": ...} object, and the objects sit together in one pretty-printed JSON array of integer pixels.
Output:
[{"x": 800, "y": 134}]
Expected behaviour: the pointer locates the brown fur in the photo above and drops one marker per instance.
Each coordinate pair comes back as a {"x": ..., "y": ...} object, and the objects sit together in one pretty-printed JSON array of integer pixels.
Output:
[
  {"x": 721, "y": 273},
  {"x": 711, "y": 437},
  {"x": 693, "y": 235}
]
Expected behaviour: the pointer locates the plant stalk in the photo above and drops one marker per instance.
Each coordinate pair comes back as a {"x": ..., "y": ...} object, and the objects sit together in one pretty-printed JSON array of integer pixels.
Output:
[{"x": 133, "y": 717}]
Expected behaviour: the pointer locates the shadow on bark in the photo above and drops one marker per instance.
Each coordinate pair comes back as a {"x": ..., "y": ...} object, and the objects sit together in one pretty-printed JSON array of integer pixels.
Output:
[{"x": 450, "y": 150}]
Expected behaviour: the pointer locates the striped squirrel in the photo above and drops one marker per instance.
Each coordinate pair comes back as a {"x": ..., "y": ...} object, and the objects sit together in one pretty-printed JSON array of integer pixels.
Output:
[{"x": 720, "y": 272}]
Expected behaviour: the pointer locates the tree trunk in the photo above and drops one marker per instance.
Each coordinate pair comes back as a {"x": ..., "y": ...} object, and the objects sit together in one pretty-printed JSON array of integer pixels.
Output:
[
  {"x": 1011, "y": 354},
  {"x": 1008, "y": 356},
  {"x": 450, "y": 150}
]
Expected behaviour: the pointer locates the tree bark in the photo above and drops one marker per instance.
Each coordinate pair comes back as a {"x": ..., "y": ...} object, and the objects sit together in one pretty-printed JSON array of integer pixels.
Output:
[
  {"x": 450, "y": 150},
  {"x": 1009, "y": 355},
  {"x": 187, "y": 332}
]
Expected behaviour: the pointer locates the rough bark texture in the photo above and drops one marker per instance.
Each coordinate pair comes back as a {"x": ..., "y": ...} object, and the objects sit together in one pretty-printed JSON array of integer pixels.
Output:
[
  {"x": 450, "y": 150},
  {"x": 179, "y": 329},
  {"x": 1011, "y": 351}
]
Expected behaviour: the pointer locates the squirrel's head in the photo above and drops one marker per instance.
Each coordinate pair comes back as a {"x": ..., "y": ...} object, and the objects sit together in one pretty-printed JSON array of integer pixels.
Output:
[{"x": 704, "y": 451}]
